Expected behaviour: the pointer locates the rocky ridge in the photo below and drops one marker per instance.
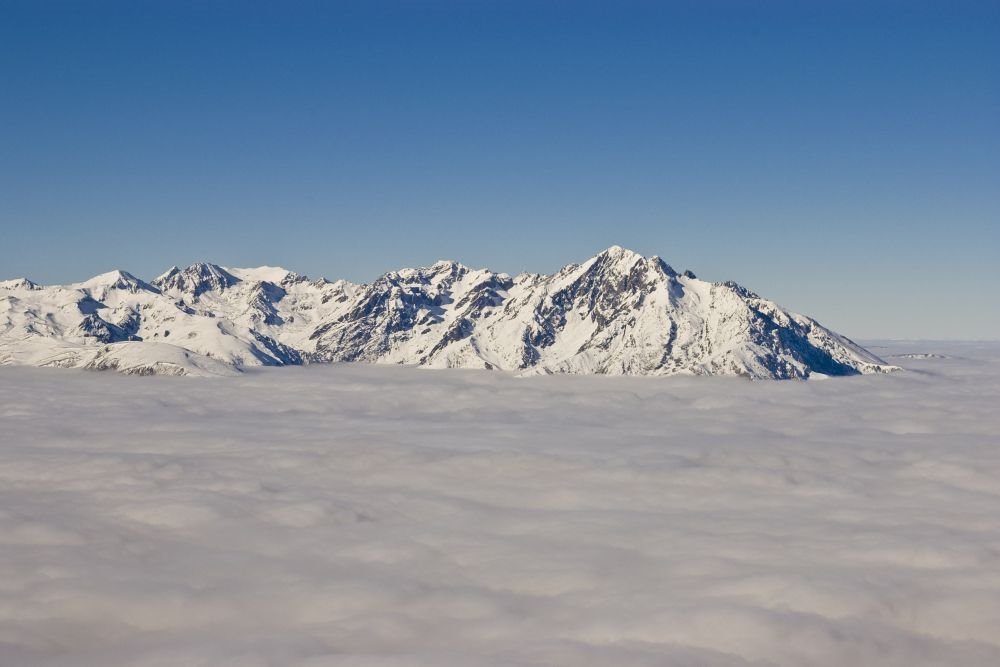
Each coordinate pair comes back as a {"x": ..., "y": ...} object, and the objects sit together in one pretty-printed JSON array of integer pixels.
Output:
[{"x": 617, "y": 313}]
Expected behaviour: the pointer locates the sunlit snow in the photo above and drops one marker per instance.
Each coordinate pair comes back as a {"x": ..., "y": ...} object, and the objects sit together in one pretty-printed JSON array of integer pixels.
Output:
[{"x": 370, "y": 515}]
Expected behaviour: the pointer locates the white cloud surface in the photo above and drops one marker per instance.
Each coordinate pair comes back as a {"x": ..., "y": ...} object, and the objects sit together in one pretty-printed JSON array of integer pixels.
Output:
[{"x": 355, "y": 515}]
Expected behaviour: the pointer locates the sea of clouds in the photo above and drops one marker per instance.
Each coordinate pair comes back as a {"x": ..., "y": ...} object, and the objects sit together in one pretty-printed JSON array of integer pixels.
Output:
[{"x": 353, "y": 515}]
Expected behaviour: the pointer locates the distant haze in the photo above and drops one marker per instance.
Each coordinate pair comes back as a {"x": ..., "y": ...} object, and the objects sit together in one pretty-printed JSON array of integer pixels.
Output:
[{"x": 840, "y": 158}]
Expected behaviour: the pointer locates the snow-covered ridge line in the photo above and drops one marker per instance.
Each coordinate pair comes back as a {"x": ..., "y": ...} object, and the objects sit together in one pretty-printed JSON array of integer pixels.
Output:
[{"x": 617, "y": 313}]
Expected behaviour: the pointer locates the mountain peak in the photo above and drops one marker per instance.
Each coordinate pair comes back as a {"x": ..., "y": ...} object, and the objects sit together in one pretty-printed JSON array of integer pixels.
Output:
[
  {"x": 270, "y": 274},
  {"x": 450, "y": 266},
  {"x": 619, "y": 251},
  {"x": 166, "y": 274},
  {"x": 205, "y": 268},
  {"x": 619, "y": 255},
  {"x": 615, "y": 259},
  {"x": 196, "y": 279},
  {"x": 18, "y": 283},
  {"x": 117, "y": 279}
]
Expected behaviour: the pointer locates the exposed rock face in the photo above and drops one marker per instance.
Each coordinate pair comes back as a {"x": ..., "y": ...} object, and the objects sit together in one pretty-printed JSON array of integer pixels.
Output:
[{"x": 617, "y": 313}]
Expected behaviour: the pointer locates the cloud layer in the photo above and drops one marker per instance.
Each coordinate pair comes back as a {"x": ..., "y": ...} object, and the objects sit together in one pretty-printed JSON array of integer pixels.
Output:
[{"x": 364, "y": 515}]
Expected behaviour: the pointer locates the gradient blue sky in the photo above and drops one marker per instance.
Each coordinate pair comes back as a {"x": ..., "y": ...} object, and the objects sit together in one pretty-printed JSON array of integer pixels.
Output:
[{"x": 840, "y": 158}]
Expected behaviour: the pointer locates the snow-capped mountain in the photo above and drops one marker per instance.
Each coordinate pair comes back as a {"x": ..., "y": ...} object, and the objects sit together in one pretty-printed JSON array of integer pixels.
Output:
[{"x": 617, "y": 313}]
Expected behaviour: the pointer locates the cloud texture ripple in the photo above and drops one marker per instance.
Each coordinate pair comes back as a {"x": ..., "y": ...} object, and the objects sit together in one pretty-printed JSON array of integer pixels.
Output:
[{"x": 351, "y": 515}]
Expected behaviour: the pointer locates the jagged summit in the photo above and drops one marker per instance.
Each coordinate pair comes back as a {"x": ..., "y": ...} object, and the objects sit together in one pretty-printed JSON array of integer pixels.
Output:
[
  {"x": 616, "y": 313},
  {"x": 443, "y": 264},
  {"x": 196, "y": 279},
  {"x": 442, "y": 269},
  {"x": 166, "y": 274}
]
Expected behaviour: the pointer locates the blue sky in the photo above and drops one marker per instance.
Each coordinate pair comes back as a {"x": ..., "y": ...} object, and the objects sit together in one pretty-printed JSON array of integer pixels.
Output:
[{"x": 840, "y": 158}]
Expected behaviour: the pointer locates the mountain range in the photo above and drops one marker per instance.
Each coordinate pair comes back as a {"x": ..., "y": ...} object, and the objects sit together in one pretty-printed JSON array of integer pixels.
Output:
[{"x": 617, "y": 313}]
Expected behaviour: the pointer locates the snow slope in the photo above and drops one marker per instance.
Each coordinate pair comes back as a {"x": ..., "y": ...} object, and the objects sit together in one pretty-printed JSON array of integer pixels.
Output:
[
  {"x": 356, "y": 514},
  {"x": 617, "y": 314}
]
